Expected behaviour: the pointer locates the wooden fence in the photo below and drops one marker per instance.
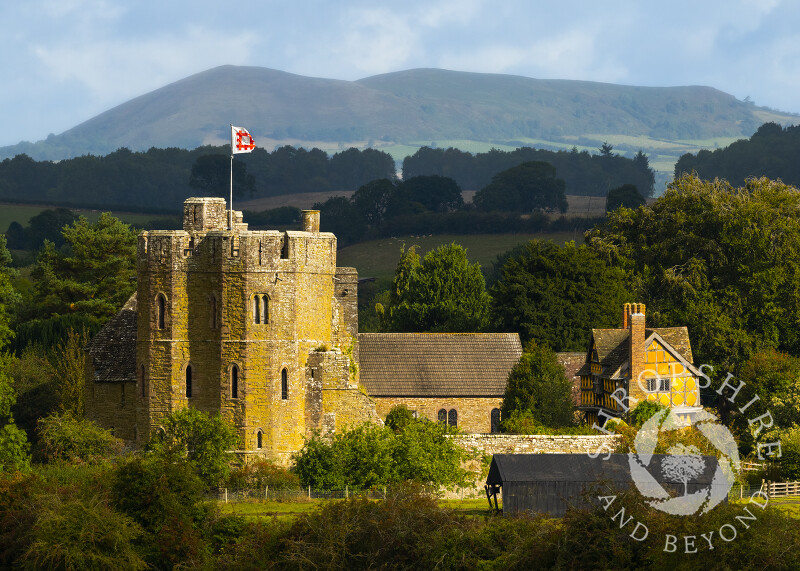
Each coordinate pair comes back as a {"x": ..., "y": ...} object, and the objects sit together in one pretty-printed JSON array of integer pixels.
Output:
[{"x": 782, "y": 489}]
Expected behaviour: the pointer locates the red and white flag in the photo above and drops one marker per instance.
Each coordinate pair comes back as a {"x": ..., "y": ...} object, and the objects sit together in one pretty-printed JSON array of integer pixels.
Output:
[{"x": 241, "y": 140}]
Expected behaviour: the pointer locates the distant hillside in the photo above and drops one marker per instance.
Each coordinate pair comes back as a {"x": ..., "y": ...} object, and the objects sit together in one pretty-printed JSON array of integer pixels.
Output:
[{"x": 398, "y": 112}]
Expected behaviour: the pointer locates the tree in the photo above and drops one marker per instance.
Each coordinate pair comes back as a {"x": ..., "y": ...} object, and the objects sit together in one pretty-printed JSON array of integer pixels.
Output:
[
  {"x": 211, "y": 174},
  {"x": 527, "y": 187},
  {"x": 720, "y": 260},
  {"x": 372, "y": 199},
  {"x": 436, "y": 193},
  {"x": 94, "y": 277},
  {"x": 338, "y": 215},
  {"x": 626, "y": 195},
  {"x": 443, "y": 293},
  {"x": 69, "y": 367},
  {"x": 551, "y": 294},
  {"x": 538, "y": 385},
  {"x": 203, "y": 440}
]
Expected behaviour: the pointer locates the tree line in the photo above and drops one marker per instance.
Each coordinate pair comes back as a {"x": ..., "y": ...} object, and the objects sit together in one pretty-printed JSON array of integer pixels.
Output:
[
  {"x": 771, "y": 152},
  {"x": 159, "y": 180},
  {"x": 583, "y": 173}
]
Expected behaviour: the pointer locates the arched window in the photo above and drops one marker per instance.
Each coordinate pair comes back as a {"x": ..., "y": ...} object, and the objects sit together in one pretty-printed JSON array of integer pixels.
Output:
[
  {"x": 161, "y": 311},
  {"x": 260, "y": 308},
  {"x": 495, "y": 420},
  {"x": 452, "y": 417},
  {"x": 442, "y": 416},
  {"x": 259, "y": 440},
  {"x": 234, "y": 382},
  {"x": 284, "y": 384},
  {"x": 188, "y": 381}
]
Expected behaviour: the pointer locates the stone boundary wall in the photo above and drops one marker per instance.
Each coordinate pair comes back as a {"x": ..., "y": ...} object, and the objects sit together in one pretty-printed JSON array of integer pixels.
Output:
[{"x": 538, "y": 443}]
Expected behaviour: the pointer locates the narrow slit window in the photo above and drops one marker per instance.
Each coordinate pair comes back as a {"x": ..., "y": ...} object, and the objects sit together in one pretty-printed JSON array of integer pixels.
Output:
[
  {"x": 142, "y": 385},
  {"x": 189, "y": 381},
  {"x": 234, "y": 382},
  {"x": 265, "y": 309},
  {"x": 284, "y": 384},
  {"x": 161, "y": 310},
  {"x": 213, "y": 311},
  {"x": 259, "y": 440}
]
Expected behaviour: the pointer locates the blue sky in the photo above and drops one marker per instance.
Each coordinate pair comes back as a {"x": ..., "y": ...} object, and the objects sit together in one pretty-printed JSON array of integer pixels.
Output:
[{"x": 65, "y": 61}]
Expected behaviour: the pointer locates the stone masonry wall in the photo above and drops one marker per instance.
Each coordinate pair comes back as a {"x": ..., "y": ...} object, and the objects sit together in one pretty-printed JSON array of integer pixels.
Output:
[
  {"x": 537, "y": 443},
  {"x": 474, "y": 413}
]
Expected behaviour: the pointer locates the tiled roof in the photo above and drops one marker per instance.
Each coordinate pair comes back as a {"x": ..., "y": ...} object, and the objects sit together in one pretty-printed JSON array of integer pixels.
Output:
[
  {"x": 437, "y": 364},
  {"x": 613, "y": 350},
  {"x": 113, "y": 349}
]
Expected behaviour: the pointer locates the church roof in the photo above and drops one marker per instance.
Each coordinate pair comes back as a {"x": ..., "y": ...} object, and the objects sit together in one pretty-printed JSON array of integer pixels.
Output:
[
  {"x": 437, "y": 364},
  {"x": 113, "y": 349}
]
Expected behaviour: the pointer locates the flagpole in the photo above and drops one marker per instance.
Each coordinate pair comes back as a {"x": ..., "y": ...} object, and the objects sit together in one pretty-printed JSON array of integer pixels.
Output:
[{"x": 230, "y": 212}]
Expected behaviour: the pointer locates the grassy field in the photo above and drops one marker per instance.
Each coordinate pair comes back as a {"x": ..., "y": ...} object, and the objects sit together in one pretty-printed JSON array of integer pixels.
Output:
[
  {"x": 22, "y": 213},
  {"x": 289, "y": 510},
  {"x": 378, "y": 258}
]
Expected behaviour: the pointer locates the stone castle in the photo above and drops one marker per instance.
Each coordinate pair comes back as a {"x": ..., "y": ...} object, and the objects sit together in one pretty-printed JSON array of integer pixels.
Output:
[{"x": 262, "y": 327}]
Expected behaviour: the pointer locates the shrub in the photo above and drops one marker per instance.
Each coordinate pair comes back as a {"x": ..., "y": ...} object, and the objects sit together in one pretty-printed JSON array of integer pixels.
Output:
[
  {"x": 261, "y": 473},
  {"x": 643, "y": 411},
  {"x": 70, "y": 439}
]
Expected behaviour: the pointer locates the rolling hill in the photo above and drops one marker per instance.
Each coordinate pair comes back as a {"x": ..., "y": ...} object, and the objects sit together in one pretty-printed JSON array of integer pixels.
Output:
[{"x": 401, "y": 111}]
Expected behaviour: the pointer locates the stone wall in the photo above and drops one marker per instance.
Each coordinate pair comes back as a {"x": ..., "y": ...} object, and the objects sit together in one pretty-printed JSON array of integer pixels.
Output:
[
  {"x": 537, "y": 443},
  {"x": 474, "y": 413}
]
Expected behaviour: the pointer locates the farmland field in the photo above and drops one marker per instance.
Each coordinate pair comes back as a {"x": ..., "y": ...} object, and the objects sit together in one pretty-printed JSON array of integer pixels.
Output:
[
  {"x": 22, "y": 213},
  {"x": 378, "y": 258}
]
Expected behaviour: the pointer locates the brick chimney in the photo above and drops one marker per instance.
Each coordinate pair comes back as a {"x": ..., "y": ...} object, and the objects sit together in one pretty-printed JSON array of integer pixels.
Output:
[{"x": 636, "y": 326}]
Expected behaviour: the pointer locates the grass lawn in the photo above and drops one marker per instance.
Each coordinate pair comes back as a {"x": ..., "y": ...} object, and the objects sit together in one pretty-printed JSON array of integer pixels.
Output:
[
  {"x": 378, "y": 258},
  {"x": 288, "y": 510}
]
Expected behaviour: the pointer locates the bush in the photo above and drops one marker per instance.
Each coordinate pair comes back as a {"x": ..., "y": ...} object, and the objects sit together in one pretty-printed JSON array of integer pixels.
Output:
[
  {"x": 642, "y": 412},
  {"x": 202, "y": 439},
  {"x": 261, "y": 473},
  {"x": 371, "y": 455},
  {"x": 69, "y": 439}
]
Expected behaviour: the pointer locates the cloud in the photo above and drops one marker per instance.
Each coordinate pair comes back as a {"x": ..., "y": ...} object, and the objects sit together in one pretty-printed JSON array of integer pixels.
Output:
[{"x": 112, "y": 69}]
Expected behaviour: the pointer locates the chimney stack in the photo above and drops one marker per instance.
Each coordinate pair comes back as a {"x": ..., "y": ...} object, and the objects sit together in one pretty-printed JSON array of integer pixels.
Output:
[
  {"x": 310, "y": 220},
  {"x": 638, "y": 355}
]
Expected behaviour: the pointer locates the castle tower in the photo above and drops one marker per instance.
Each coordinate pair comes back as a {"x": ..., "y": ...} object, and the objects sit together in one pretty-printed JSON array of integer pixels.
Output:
[{"x": 227, "y": 320}]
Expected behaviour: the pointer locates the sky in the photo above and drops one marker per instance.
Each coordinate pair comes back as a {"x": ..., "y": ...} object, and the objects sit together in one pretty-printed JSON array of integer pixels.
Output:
[{"x": 65, "y": 61}]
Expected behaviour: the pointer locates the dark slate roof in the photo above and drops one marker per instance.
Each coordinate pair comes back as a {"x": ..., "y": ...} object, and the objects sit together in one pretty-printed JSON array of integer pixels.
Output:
[
  {"x": 113, "y": 349},
  {"x": 511, "y": 468},
  {"x": 437, "y": 364}
]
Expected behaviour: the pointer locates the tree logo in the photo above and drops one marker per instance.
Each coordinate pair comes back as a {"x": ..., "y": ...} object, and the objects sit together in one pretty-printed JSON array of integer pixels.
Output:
[{"x": 683, "y": 464}]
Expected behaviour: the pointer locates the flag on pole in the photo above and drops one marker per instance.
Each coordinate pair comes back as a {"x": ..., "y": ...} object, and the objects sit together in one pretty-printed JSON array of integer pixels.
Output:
[{"x": 241, "y": 141}]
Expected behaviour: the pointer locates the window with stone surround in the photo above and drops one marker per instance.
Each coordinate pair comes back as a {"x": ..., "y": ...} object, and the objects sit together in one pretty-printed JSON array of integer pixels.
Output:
[
  {"x": 212, "y": 301},
  {"x": 284, "y": 384},
  {"x": 442, "y": 416},
  {"x": 260, "y": 308},
  {"x": 452, "y": 418},
  {"x": 259, "y": 440},
  {"x": 234, "y": 382},
  {"x": 494, "y": 420}
]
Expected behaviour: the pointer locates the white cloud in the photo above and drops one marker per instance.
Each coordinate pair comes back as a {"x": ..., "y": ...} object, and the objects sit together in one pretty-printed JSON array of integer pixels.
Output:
[{"x": 112, "y": 69}]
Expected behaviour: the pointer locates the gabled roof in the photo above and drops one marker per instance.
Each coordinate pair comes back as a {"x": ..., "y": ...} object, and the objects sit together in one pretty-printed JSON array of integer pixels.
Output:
[
  {"x": 437, "y": 364},
  {"x": 113, "y": 349},
  {"x": 614, "y": 352}
]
